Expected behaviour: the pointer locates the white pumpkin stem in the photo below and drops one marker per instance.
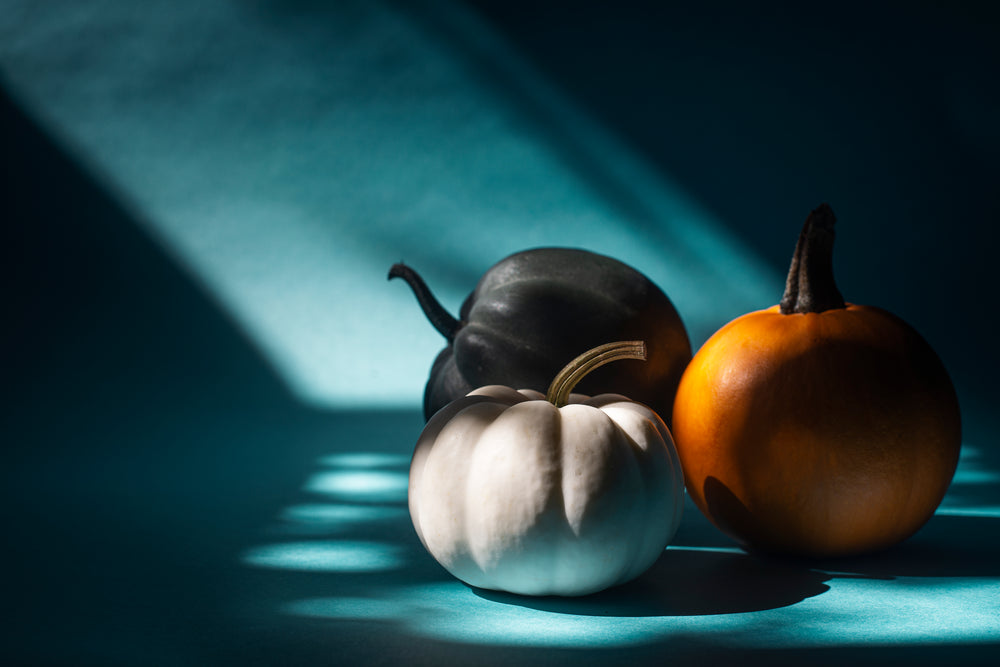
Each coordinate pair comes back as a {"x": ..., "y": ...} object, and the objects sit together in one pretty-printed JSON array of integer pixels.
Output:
[{"x": 568, "y": 377}]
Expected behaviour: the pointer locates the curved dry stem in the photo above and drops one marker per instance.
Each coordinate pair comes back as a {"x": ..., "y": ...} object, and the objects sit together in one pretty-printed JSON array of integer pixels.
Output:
[
  {"x": 439, "y": 318},
  {"x": 574, "y": 371}
]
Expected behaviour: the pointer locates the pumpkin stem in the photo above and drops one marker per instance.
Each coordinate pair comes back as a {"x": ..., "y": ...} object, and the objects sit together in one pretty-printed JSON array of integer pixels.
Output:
[
  {"x": 810, "y": 287},
  {"x": 568, "y": 377},
  {"x": 440, "y": 318}
]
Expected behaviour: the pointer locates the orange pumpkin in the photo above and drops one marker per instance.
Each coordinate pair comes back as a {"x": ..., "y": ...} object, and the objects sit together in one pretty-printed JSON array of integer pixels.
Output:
[{"x": 817, "y": 427}]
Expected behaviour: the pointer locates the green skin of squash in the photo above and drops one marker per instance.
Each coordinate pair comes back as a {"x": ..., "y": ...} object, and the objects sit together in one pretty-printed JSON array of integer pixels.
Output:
[{"x": 534, "y": 311}]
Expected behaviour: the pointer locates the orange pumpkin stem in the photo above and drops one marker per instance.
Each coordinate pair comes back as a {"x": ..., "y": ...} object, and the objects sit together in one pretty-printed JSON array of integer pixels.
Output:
[{"x": 810, "y": 287}]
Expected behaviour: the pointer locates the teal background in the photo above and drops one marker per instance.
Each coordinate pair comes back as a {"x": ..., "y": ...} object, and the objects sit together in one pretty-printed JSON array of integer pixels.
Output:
[{"x": 211, "y": 392}]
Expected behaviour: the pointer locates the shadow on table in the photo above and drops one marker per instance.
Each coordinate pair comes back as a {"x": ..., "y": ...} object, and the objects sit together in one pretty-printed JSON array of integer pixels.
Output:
[
  {"x": 689, "y": 582},
  {"x": 693, "y": 582},
  {"x": 702, "y": 574},
  {"x": 147, "y": 441},
  {"x": 947, "y": 546}
]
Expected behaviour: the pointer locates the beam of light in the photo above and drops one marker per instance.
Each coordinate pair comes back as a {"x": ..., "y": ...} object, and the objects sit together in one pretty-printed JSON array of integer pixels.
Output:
[
  {"x": 328, "y": 519},
  {"x": 366, "y": 460},
  {"x": 976, "y": 476},
  {"x": 360, "y": 485},
  {"x": 452, "y": 612},
  {"x": 340, "y": 515},
  {"x": 326, "y": 556},
  {"x": 716, "y": 550},
  {"x": 906, "y": 610},
  {"x": 287, "y": 160},
  {"x": 970, "y": 493},
  {"x": 972, "y": 469},
  {"x": 847, "y": 610},
  {"x": 855, "y": 612},
  {"x": 984, "y": 511}
]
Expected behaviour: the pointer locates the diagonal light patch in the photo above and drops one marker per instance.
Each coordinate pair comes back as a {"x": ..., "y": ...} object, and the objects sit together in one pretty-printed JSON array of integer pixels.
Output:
[{"x": 288, "y": 156}]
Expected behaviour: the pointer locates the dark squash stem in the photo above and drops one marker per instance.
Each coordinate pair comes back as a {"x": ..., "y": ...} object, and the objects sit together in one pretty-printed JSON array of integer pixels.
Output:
[
  {"x": 442, "y": 320},
  {"x": 810, "y": 287}
]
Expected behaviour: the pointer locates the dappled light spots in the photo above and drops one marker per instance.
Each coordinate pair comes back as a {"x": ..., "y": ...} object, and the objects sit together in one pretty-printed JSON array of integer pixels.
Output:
[
  {"x": 972, "y": 468},
  {"x": 206, "y": 202},
  {"x": 339, "y": 515},
  {"x": 362, "y": 477},
  {"x": 326, "y": 556},
  {"x": 354, "y": 507},
  {"x": 360, "y": 485},
  {"x": 336, "y": 520},
  {"x": 923, "y": 610},
  {"x": 453, "y": 612},
  {"x": 992, "y": 511},
  {"x": 935, "y": 611},
  {"x": 385, "y": 608},
  {"x": 972, "y": 484},
  {"x": 366, "y": 460},
  {"x": 366, "y": 504}
]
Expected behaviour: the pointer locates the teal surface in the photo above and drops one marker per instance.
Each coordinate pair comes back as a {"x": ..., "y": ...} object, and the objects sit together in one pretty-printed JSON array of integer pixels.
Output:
[{"x": 211, "y": 392}]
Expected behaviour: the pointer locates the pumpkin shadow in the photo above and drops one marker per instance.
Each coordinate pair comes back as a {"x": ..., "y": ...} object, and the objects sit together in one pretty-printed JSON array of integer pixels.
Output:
[
  {"x": 690, "y": 582},
  {"x": 945, "y": 546}
]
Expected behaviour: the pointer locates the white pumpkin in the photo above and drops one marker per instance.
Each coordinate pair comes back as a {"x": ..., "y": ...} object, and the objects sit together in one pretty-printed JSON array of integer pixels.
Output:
[{"x": 509, "y": 492}]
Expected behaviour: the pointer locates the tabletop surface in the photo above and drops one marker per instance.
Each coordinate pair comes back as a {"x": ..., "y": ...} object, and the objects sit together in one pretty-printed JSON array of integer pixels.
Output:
[{"x": 212, "y": 393}]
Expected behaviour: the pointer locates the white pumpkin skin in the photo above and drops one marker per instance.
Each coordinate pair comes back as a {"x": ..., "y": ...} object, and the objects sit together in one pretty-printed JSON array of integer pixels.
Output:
[{"x": 510, "y": 493}]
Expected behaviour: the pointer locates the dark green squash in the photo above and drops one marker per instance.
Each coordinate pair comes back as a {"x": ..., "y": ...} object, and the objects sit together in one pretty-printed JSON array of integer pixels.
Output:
[{"x": 534, "y": 311}]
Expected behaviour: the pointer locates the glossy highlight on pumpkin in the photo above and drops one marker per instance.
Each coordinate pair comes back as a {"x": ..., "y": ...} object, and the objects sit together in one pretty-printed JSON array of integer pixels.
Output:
[{"x": 817, "y": 430}]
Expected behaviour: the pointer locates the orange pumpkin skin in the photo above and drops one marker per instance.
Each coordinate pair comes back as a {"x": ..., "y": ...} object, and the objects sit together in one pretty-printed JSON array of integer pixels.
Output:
[{"x": 817, "y": 434}]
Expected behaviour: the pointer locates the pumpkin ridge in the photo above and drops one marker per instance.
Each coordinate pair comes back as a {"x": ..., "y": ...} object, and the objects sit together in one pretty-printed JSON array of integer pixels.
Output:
[
  {"x": 522, "y": 528},
  {"x": 503, "y": 528},
  {"x": 632, "y": 564},
  {"x": 459, "y": 557}
]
